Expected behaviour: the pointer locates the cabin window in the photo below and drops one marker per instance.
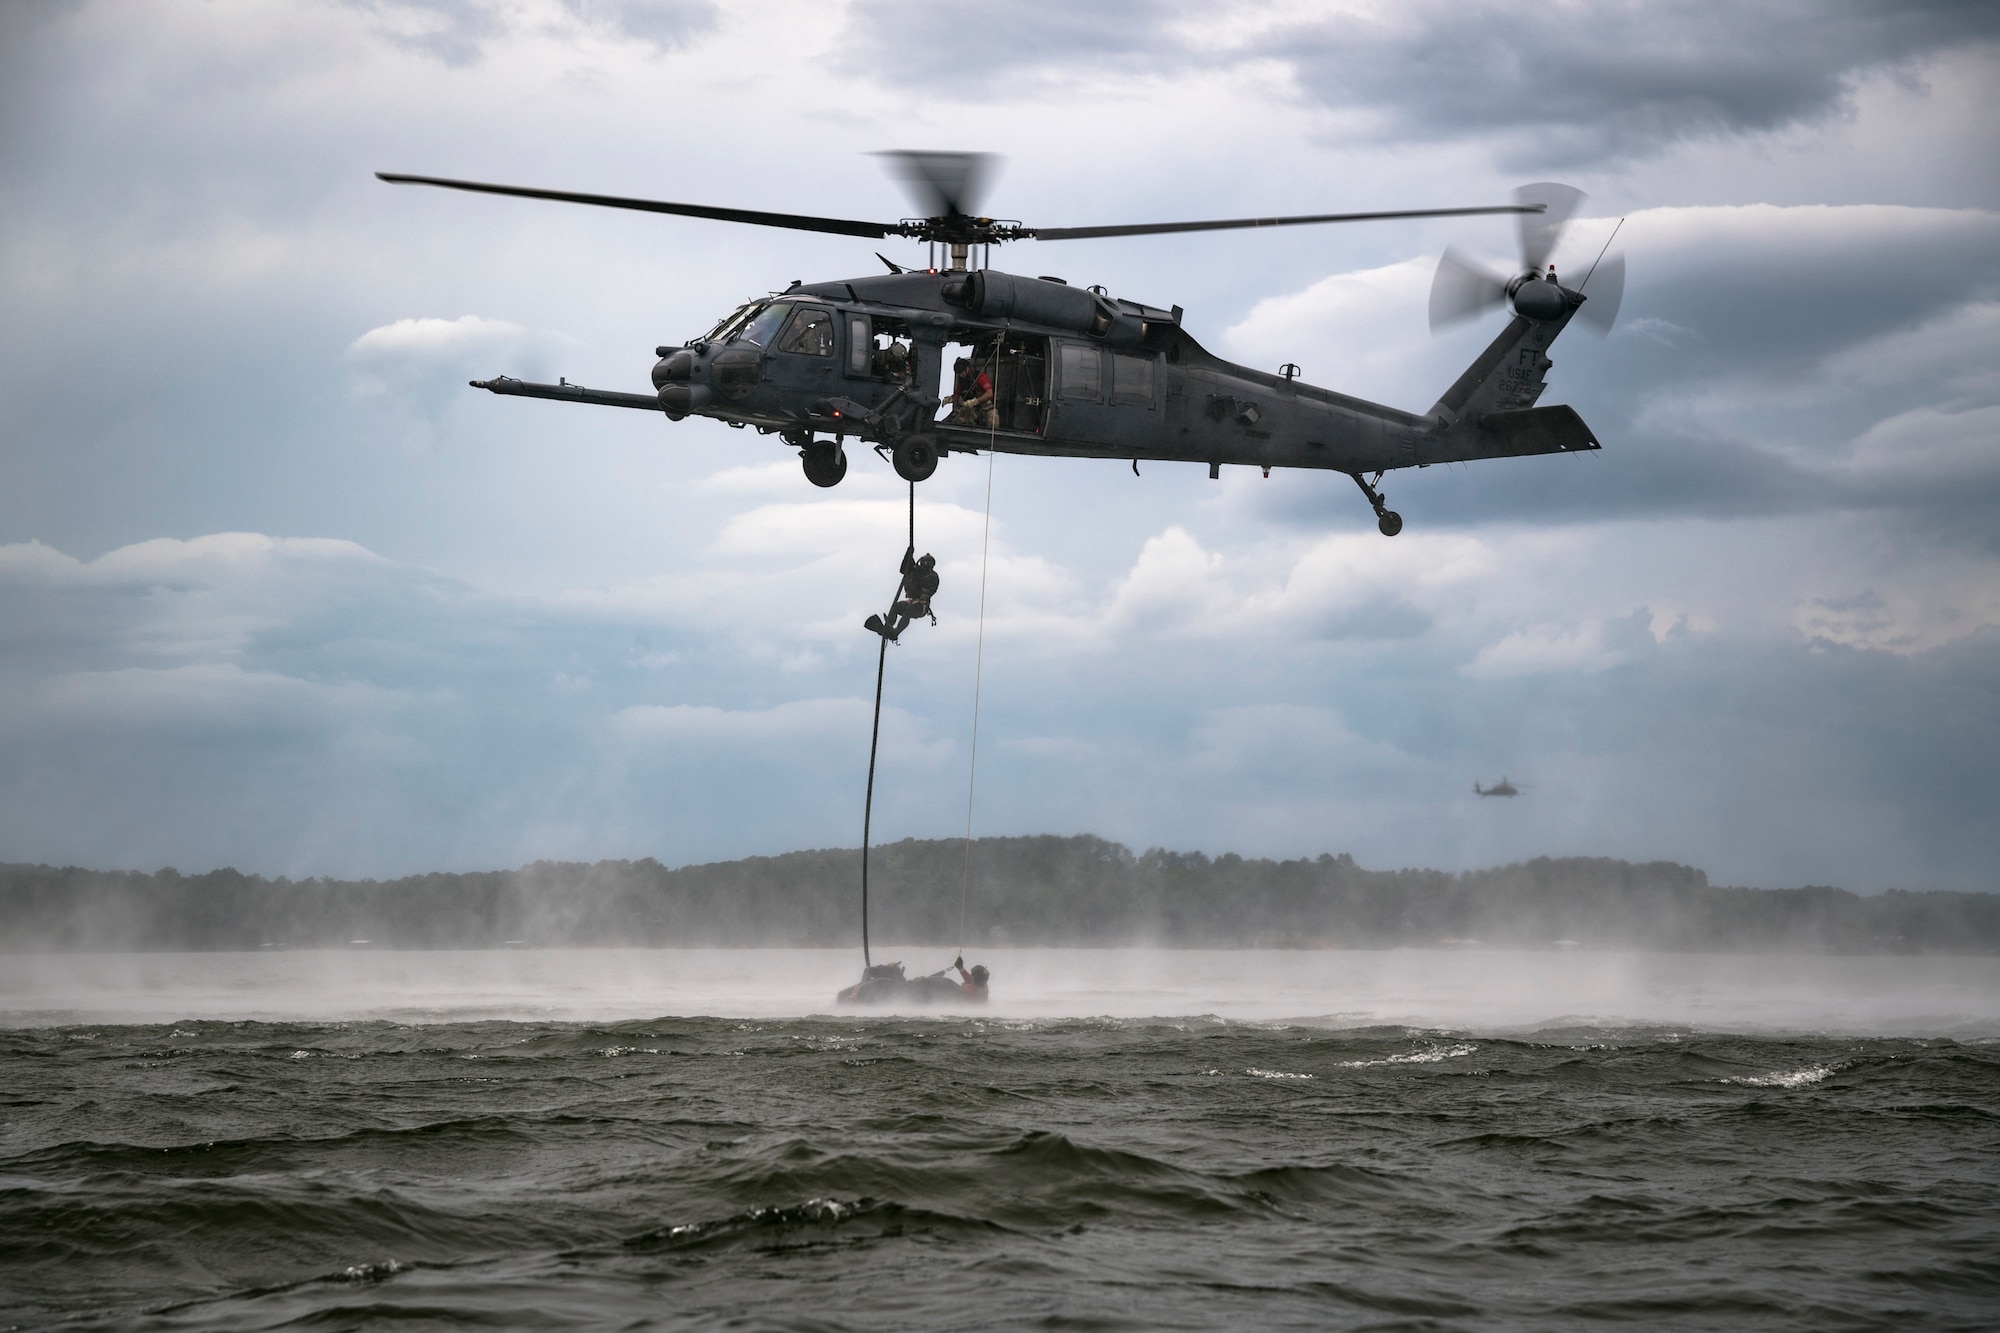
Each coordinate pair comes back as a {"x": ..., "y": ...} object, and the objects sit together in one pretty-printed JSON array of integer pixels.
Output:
[
  {"x": 1081, "y": 372},
  {"x": 811, "y": 333},
  {"x": 879, "y": 346},
  {"x": 764, "y": 325},
  {"x": 1132, "y": 379}
]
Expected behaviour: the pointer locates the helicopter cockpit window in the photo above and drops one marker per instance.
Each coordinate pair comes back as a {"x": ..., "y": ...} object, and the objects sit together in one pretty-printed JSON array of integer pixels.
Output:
[
  {"x": 1081, "y": 372},
  {"x": 763, "y": 326},
  {"x": 1132, "y": 379},
  {"x": 727, "y": 328},
  {"x": 810, "y": 333}
]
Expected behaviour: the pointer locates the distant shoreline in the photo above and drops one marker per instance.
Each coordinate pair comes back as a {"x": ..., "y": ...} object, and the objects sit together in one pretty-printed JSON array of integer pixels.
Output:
[
  {"x": 1040, "y": 892},
  {"x": 7, "y": 950}
]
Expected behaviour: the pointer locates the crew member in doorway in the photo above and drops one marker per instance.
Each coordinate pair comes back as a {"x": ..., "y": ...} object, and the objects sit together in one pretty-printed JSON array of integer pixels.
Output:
[
  {"x": 974, "y": 983},
  {"x": 920, "y": 584},
  {"x": 892, "y": 362},
  {"x": 972, "y": 398}
]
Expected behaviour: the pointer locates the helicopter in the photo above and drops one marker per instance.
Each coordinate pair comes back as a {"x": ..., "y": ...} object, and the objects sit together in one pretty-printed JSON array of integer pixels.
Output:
[
  {"x": 1048, "y": 368},
  {"x": 1501, "y": 788}
]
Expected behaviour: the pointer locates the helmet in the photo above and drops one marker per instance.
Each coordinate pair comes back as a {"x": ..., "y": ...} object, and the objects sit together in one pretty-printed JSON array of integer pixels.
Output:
[
  {"x": 979, "y": 973},
  {"x": 926, "y": 561}
]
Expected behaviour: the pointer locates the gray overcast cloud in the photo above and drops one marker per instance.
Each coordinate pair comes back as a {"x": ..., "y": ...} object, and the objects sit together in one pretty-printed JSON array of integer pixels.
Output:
[{"x": 278, "y": 591}]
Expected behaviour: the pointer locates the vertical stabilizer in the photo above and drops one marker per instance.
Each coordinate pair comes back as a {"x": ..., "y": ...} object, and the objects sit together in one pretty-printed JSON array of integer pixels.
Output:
[
  {"x": 1508, "y": 376},
  {"x": 1490, "y": 411}
]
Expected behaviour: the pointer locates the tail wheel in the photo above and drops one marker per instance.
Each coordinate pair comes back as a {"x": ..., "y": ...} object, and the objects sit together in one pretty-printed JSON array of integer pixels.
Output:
[
  {"x": 825, "y": 463},
  {"x": 916, "y": 457}
]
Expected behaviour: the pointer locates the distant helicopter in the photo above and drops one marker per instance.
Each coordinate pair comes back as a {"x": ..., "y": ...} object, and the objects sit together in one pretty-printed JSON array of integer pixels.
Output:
[
  {"x": 1050, "y": 368},
  {"x": 1500, "y": 788}
]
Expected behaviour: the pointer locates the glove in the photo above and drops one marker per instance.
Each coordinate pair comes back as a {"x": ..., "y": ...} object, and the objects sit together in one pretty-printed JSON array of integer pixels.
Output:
[{"x": 958, "y": 962}]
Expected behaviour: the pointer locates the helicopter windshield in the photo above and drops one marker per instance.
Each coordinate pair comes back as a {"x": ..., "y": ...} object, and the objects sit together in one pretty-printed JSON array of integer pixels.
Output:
[
  {"x": 734, "y": 321},
  {"x": 764, "y": 325}
]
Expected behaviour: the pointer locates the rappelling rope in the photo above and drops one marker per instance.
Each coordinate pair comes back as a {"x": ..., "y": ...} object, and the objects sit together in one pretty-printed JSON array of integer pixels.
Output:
[
  {"x": 978, "y": 679},
  {"x": 875, "y": 740},
  {"x": 868, "y": 806},
  {"x": 978, "y": 675}
]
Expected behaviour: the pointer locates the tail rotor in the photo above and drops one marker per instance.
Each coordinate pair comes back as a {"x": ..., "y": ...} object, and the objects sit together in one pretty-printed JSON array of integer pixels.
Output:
[
  {"x": 1605, "y": 286},
  {"x": 1463, "y": 289},
  {"x": 1540, "y": 231}
]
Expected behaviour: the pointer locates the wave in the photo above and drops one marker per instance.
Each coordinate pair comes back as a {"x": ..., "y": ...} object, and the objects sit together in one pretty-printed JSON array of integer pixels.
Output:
[
  {"x": 1789, "y": 1078},
  {"x": 876, "y": 1172}
]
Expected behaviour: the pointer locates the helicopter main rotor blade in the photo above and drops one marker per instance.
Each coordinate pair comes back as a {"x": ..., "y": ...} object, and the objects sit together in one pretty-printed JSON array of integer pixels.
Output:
[
  {"x": 943, "y": 182},
  {"x": 873, "y": 231},
  {"x": 1232, "y": 224}
]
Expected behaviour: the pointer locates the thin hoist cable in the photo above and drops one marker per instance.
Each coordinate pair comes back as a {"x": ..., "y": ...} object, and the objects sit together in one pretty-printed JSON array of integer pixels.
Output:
[{"x": 978, "y": 675}]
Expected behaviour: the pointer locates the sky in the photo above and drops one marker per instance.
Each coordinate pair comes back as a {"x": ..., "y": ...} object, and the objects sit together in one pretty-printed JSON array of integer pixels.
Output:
[{"x": 278, "y": 591}]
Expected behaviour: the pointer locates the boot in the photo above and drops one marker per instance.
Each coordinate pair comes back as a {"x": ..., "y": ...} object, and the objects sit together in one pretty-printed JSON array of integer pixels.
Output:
[{"x": 875, "y": 624}]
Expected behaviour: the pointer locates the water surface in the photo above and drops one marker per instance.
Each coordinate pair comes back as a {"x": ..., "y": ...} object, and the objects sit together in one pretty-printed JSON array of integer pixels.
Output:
[{"x": 1261, "y": 1140}]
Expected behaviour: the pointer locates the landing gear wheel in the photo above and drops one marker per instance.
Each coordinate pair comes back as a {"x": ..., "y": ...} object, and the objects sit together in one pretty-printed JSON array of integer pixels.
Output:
[
  {"x": 1387, "y": 519},
  {"x": 915, "y": 457},
  {"x": 825, "y": 463}
]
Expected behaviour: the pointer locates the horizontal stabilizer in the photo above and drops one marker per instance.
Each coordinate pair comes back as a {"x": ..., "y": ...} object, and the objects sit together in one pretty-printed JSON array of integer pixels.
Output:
[{"x": 1535, "y": 430}]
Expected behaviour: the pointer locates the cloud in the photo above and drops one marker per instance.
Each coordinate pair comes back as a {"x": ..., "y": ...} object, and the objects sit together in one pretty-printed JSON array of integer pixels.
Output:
[
  {"x": 1366, "y": 333},
  {"x": 664, "y": 25},
  {"x": 1335, "y": 588},
  {"x": 1931, "y": 455},
  {"x": 769, "y": 729},
  {"x": 455, "y": 34},
  {"x": 1545, "y": 648},
  {"x": 1756, "y": 632},
  {"x": 1580, "y": 84},
  {"x": 1572, "y": 86},
  {"x": 423, "y": 363},
  {"x": 354, "y": 714},
  {"x": 978, "y": 48},
  {"x": 1760, "y": 347},
  {"x": 462, "y": 33},
  {"x": 209, "y": 700}
]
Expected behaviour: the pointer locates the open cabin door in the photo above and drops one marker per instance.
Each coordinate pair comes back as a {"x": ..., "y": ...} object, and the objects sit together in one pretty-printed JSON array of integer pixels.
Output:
[{"x": 1016, "y": 367}]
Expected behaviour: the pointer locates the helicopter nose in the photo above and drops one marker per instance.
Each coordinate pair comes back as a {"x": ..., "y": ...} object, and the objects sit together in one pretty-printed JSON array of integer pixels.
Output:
[
  {"x": 673, "y": 376},
  {"x": 677, "y": 400},
  {"x": 673, "y": 367}
]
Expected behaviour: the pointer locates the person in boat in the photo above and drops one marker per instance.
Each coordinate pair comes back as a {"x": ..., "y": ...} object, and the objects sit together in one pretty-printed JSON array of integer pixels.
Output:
[
  {"x": 972, "y": 983},
  {"x": 920, "y": 584}
]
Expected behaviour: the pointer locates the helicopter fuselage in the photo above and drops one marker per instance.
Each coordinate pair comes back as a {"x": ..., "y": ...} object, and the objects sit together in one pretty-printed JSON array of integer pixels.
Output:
[{"x": 1046, "y": 368}]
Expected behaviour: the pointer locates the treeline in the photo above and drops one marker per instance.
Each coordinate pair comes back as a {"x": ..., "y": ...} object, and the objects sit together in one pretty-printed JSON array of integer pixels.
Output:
[{"x": 1023, "y": 891}]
